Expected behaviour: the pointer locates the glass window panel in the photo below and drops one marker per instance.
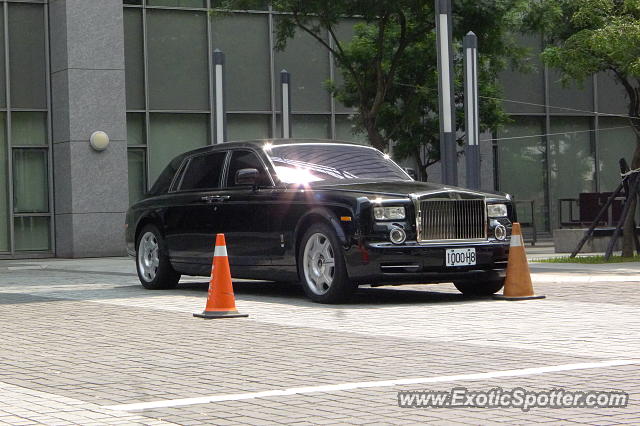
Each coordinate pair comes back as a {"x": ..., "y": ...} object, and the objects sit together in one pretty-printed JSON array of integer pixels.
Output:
[
  {"x": 173, "y": 134},
  {"x": 178, "y": 63},
  {"x": 245, "y": 38},
  {"x": 134, "y": 2},
  {"x": 329, "y": 162},
  {"x": 32, "y": 234},
  {"x": 133, "y": 58},
  {"x": 616, "y": 140},
  {"x": 345, "y": 131},
  {"x": 525, "y": 87},
  {"x": 135, "y": 129},
  {"x": 344, "y": 32},
  {"x": 572, "y": 96},
  {"x": 177, "y": 3},
  {"x": 28, "y": 128},
  {"x": 30, "y": 181},
  {"x": 246, "y": 160},
  {"x": 308, "y": 62},
  {"x": 310, "y": 126},
  {"x": 137, "y": 174},
  {"x": 522, "y": 166},
  {"x": 612, "y": 96},
  {"x": 571, "y": 162},
  {"x": 4, "y": 186},
  {"x": 248, "y": 126},
  {"x": 27, "y": 56},
  {"x": 204, "y": 172}
]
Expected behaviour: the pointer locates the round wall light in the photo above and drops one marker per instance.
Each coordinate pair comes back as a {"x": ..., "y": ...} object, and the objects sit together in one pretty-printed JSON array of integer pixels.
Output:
[{"x": 99, "y": 140}]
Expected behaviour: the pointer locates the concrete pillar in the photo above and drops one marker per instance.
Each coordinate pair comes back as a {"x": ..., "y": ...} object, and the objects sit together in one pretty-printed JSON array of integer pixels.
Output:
[{"x": 88, "y": 94}]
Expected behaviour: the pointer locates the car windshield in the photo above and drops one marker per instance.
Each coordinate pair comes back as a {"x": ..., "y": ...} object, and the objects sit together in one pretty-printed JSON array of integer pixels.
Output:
[{"x": 306, "y": 163}]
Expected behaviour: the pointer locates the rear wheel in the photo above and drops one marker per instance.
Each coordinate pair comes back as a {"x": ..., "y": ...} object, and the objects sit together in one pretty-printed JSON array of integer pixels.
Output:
[
  {"x": 479, "y": 288},
  {"x": 152, "y": 262},
  {"x": 322, "y": 266}
]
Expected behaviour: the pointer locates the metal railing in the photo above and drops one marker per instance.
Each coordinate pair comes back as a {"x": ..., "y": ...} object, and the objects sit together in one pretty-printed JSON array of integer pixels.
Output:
[{"x": 532, "y": 208}]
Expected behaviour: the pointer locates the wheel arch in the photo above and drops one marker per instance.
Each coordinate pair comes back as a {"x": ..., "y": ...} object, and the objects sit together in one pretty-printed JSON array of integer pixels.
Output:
[
  {"x": 318, "y": 215},
  {"x": 144, "y": 221}
]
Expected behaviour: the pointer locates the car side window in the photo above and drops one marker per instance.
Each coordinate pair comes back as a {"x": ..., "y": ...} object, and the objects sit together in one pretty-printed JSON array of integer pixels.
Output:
[
  {"x": 246, "y": 160},
  {"x": 203, "y": 172}
]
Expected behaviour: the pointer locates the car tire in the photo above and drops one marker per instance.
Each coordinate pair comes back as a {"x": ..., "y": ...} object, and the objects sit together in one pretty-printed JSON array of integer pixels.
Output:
[
  {"x": 321, "y": 266},
  {"x": 152, "y": 261},
  {"x": 479, "y": 288}
]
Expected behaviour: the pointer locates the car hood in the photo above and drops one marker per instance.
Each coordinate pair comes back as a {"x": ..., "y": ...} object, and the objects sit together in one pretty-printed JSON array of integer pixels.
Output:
[{"x": 395, "y": 188}]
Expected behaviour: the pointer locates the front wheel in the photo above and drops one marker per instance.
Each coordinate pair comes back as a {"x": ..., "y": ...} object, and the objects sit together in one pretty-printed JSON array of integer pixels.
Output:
[
  {"x": 479, "y": 288},
  {"x": 152, "y": 262},
  {"x": 322, "y": 266}
]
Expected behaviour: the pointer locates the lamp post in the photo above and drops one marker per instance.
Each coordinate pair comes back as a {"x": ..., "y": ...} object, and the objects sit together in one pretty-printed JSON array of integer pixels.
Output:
[
  {"x": 285, "y": 83},
  {"x": 448, "y": 152},
  {"x": 220, "y": 113},
  {"x": 472, "y": 149}
]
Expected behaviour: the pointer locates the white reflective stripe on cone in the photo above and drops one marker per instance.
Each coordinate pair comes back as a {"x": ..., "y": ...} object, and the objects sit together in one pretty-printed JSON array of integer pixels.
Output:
[
  {"x": 220, "y": 251},
  {"x": 516, "y": 241}
]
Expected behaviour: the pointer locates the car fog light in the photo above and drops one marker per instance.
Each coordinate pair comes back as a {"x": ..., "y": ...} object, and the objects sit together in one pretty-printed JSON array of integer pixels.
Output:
[
  {"x": 397, "y": 236},
  {"x": 500, "y": 232}
]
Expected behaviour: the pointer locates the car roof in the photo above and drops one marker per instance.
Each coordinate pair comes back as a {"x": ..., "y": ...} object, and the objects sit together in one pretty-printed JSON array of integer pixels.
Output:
[{"x": 259, "y": 143}]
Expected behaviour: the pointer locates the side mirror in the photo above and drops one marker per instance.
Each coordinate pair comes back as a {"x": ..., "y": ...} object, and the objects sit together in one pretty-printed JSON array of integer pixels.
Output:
[{"x": 247, "y": 177}]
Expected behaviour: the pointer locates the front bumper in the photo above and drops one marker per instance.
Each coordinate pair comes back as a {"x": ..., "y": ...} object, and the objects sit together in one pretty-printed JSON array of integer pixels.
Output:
[{"x": 386, "y": 263}]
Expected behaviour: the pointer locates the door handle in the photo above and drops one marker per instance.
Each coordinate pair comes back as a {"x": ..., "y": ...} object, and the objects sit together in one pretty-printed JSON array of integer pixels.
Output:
[{"x": 214, "y": 198}]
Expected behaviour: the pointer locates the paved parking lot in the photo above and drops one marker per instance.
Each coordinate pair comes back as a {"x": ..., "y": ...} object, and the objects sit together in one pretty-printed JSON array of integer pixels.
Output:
[{"x": 83, "y": 343}]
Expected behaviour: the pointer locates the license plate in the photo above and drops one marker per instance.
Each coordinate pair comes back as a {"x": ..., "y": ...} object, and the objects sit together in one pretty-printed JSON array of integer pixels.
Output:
[{"x": 460, "y": 257}]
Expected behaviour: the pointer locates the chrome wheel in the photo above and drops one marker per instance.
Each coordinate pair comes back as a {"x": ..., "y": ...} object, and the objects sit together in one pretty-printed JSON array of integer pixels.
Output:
[
  {"x": 148, "y": 258},
  {"x": 319, "y": 263}
]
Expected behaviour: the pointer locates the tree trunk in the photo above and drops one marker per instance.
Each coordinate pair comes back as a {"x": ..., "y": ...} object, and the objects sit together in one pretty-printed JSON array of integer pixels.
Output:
[
  {"x": 375, "y": 138},
  {"x": 423, "y": 170},
  {"x": 628, "y": 230},
  {"x": 420, "y": 169}
]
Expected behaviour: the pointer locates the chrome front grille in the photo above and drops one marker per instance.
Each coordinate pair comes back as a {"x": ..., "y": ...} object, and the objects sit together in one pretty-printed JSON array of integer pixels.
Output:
[{"x": 452, "y": 220}]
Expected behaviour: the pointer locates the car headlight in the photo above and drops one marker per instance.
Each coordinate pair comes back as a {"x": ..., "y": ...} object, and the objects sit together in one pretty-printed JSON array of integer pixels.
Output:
[
  {"x": 497, "y": 210},
  {"x": 388, "y": 213}
]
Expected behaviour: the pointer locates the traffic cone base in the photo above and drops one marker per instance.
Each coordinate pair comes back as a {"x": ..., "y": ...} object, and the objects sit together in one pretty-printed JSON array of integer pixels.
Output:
[
  {"x": 220, "y": 314},
  {"x": 221, "y": 302},
  {"x": 502, "y": 297},
  {"x": 517, "y": 283}
]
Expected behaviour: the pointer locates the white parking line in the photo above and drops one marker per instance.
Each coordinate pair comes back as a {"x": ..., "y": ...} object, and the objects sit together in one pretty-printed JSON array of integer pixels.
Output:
[
  {"x": 360, "y": 385},
  {"x": 26, "y": 267}
]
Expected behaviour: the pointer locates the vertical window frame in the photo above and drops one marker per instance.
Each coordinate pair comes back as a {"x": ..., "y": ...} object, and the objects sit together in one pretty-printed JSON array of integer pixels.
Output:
[{"x": 9, "y": 110}]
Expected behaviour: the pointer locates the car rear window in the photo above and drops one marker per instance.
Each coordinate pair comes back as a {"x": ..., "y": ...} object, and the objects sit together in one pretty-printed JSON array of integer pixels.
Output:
[
  {"x": 163, "y": 182},
  {"x": 203, "y": 172}
]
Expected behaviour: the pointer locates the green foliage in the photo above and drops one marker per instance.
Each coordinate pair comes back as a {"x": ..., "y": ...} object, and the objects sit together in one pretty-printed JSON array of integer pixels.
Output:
[
  {"x": 389, "y": 67},
  {"x": 591, "y": 36}
]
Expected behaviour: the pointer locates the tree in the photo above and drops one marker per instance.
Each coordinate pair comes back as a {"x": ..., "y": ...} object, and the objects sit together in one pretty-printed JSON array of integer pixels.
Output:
[
  {"x": 389, "y": 67},
  {"x": 585, "y": 37}
]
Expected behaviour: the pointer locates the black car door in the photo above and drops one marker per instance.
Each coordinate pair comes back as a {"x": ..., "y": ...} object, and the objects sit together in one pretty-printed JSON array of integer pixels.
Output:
[
  {"x": 192, "y": 220},
  {"x": 245, "y": 212}
]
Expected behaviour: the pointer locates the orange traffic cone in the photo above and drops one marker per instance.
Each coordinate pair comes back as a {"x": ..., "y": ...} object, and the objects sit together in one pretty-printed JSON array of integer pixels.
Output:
[
  {"x": 221, "y": 302},
  {"x": 517, "y": 284}
]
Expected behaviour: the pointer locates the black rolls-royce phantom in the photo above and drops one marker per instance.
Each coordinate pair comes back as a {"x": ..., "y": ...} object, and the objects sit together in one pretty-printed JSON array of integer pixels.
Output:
[{"x": 329, "y": 215}]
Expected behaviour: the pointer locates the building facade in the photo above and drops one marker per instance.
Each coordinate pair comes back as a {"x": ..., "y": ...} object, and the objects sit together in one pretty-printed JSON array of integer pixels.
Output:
[{"x": 141, "y": 71}]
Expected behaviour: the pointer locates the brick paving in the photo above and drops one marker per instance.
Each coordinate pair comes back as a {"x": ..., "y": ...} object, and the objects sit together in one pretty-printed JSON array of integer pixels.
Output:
[{"x": 79, "y": 336}]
